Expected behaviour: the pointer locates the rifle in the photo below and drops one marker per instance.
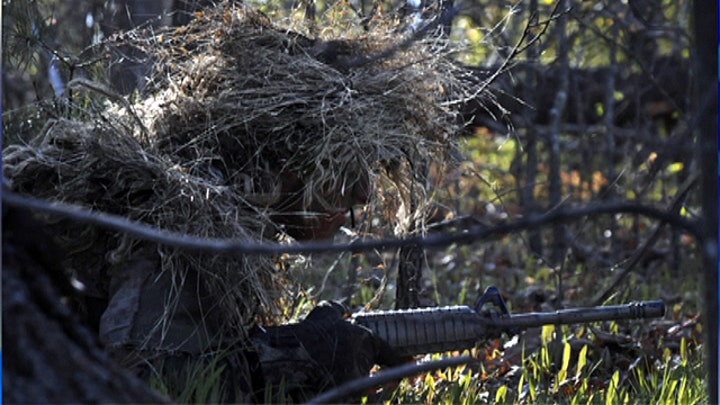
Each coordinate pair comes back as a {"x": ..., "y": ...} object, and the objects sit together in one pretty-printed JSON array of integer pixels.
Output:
[{"x": 431, "y": 330}]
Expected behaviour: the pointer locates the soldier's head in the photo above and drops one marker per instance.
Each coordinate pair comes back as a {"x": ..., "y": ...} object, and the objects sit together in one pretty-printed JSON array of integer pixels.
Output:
[{"x": 326, "y": 211}]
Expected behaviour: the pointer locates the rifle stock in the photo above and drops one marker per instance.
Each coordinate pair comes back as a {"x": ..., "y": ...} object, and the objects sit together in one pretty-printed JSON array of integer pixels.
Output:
[{"x": 432, "y": 330}]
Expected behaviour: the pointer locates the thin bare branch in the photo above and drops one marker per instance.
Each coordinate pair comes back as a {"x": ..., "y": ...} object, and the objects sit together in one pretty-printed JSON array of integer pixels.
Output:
[
  {"x": 517, "y": 49},
  {"x": 360, "y": 385},
  {"x": 640, "y": 253},
  {"x": 250, "y": 247}
]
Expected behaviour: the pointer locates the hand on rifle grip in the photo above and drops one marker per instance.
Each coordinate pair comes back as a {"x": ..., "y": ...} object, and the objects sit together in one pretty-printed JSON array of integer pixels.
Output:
[{"x": 322, "y": 351}]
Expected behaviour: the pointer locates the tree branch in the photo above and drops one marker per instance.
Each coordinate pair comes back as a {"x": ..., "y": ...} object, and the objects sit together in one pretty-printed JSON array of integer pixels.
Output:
[
  {"x": 250, "y": 247},
  {"x": 360, "y": 385}
]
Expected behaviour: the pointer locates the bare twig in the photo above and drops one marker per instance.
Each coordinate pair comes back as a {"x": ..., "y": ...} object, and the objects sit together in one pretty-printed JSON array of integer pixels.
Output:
[
  {"x": 111, "y": 95},
  {"x": 640, "y": 253},
  {"x": 517, "y": 49},
  {"x": 642, "y": 64},
  {"x": 360, "y": 385},
  {"x": 360, "y": 61}
]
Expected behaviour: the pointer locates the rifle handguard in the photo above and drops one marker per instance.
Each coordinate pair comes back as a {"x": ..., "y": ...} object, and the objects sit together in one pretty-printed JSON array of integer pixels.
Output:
[
  {"x": 433, "y": 330},
  {"x": 424, "y": 330}
]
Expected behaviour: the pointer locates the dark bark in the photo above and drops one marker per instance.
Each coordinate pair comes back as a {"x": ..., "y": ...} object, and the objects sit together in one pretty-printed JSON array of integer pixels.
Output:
[
  {"x": 610, "y": 136},
  {"x": 705, "y": 69},
  {"x": 409, "y": 277},
  {"x": 412, "y": 256},
  {"x": 556, "y": 114},
  {"x": 527, "y": 194},
  {"x": 411, "y": 261},
  {"x": 52, "y": 357}
]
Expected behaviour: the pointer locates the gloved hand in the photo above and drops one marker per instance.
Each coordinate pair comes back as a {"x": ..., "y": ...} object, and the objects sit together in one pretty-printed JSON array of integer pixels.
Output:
[{"x": 320, "y": 352}]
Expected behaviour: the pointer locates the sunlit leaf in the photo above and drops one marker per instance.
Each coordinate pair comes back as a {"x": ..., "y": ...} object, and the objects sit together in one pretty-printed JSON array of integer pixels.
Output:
[
  {"x": 548, "y": 333},
  {"x": 501, "y": 393},
  {"x": 566, "y": 356},
  {"x": 582, "y": 361},
  {"x": 675, "y": 167},
  {"x": 520, "y": 386},
  {"x": 473, "y": 35},
  {"x": 600, "y": 109},
  {"x": 683, "y": 350},
  {"x": 612, "y": 389}
]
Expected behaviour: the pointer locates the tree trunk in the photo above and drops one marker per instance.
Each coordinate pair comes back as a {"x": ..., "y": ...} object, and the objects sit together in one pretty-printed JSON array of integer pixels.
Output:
[
  {"x": 706, "y": 105},
  {"x": 409, "y": 277},
  {"x": 411, "y": 262},
  {"x": 51, "y": 357},
  {"x": 527, "y": 191}
]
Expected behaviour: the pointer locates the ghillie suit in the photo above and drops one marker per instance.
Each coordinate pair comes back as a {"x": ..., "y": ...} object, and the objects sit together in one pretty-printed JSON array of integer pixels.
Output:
[{"x": 245, "y": 131}]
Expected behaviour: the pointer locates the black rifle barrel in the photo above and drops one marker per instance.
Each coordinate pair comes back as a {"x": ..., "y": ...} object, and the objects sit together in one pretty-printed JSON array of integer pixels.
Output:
[
  {"x": 432, "y": 330},
  {"x": 635, "y": 310}
]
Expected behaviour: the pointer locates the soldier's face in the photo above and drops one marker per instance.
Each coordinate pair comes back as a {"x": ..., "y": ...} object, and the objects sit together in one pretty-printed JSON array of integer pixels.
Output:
[{"x": 322, "y": 218}]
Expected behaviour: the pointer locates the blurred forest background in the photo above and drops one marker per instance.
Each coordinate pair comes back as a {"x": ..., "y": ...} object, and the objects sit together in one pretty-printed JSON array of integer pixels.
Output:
[{"x": 587, "y": 102}]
